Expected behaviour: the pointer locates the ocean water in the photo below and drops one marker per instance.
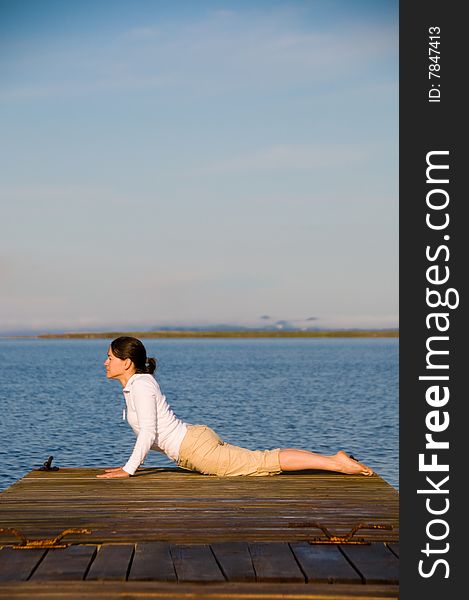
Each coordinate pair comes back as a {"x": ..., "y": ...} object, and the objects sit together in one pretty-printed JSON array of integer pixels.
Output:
[{"x": 318, "y": 394}]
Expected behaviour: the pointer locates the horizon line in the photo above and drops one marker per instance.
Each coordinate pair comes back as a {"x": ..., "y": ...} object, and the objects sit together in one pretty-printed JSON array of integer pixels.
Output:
[{"x": 207, "y": 333}]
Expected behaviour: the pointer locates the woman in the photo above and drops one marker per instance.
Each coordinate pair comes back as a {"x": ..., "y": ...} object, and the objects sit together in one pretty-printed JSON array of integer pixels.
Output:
[{"x": 195, "y": 447}]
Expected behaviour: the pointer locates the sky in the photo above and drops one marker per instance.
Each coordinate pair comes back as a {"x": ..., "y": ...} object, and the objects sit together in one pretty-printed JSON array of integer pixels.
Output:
[{"x": 175, "y": 163}]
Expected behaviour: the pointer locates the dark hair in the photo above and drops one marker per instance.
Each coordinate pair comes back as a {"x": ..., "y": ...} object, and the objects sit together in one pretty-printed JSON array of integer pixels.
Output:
[{"x": 129, "y": 347}]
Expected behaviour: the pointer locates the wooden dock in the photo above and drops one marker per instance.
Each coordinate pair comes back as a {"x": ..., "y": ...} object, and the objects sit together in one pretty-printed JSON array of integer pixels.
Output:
[{"x": 168, "y": 533}]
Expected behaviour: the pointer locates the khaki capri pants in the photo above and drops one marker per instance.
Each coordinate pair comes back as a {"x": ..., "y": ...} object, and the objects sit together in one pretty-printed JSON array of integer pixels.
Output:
[{"x": 204, "y": 451}]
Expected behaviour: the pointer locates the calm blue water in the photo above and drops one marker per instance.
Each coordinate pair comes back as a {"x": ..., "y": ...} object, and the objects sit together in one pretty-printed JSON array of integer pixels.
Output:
[{"x": 319, "y": 394}]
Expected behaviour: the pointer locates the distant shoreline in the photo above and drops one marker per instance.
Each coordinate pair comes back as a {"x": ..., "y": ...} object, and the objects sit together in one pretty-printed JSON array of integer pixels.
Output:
[{"x": 178, "y": 334}]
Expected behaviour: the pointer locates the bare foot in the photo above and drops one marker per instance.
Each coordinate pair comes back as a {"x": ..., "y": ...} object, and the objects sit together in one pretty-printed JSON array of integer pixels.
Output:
[{"x": 350, "y": 466}]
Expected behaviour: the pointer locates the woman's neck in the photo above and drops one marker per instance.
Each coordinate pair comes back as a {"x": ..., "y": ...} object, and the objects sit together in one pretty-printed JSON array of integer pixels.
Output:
[{"x": 124, "y": 379}]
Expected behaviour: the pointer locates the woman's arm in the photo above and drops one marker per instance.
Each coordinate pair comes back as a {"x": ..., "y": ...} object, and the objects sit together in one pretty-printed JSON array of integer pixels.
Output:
[{"x": 144, "y": 399}]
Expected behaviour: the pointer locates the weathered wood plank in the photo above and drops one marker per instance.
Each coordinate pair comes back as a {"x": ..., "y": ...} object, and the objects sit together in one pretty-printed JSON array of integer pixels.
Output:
[
  {"x": 235, "y": 560},
  {"x": 375, "y": 562},
  {"x": 17, "y": 565},
  {"x": 152, "y": 562},
  {"x": 275, "y": 562},
  {"x": 181, "y": 506},
  {"x": 111, "y": 563},
  {"x": 65, "y": 564},
  {"x": 107, "y": 590},
  {"x": 195, "y": 563},
  {"x": 324, "y": 563},
  {"x": 187, "y": 528}
]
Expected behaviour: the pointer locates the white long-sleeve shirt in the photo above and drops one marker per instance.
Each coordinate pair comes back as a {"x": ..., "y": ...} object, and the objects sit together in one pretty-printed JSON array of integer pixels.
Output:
[{"x": 152, "y": 419}]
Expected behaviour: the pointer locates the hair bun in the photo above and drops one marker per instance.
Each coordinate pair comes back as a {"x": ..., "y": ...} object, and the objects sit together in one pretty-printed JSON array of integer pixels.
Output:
[{"x": 150, "y": 365}]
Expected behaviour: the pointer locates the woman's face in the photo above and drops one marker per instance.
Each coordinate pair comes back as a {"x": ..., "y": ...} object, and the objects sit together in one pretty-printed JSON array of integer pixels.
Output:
[{"x": 115, "y": 367}]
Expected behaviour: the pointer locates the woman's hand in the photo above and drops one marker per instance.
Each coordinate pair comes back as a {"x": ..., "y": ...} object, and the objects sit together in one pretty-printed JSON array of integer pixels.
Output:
[{"x": 111, "y": 473}]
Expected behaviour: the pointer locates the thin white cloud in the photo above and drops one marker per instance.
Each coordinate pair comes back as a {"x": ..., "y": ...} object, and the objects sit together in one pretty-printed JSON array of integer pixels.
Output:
[
  {"x": 288, "y": 156},
  {"x": 318, "y": 199},
  {"x": 85, "y": 88},
  {"x": 219, "y": 53},
  {"x": 142, "y": 33},
  {"x": 358, "y": 321},
  {"x": 53, "y": 196}
]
